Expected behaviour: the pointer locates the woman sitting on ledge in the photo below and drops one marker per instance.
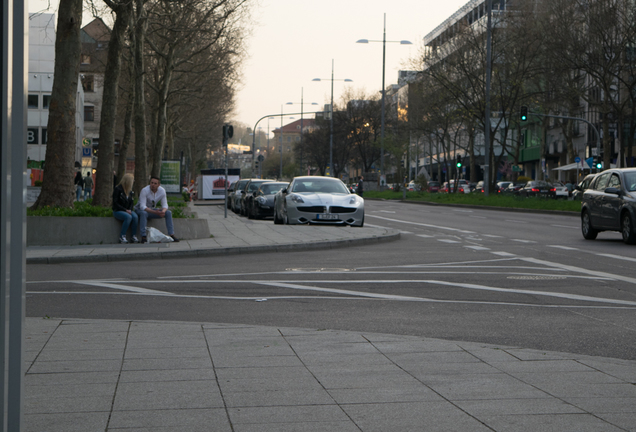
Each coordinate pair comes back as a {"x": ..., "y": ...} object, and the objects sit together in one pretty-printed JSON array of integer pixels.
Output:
[{"x": 122, "y": 208}]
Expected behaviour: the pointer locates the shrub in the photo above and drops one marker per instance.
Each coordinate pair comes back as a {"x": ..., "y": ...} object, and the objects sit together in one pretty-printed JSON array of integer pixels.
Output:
[
  {"x": 37, "y": 183},
  {"x": 523, "y": 179}
]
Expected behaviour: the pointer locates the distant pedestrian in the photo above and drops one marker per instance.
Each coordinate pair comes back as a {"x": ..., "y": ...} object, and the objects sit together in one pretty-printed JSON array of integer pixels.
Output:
[
  {"x": 79, "y": 185},
  {"x": 361, "y": 186},
  {"x": 88, "y": 186},
  {"x": 153, "y": 204},
  {"x": 123, "y": 209}
]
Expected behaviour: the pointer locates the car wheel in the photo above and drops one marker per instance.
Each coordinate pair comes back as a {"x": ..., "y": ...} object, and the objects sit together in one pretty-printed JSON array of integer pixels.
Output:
[
  {"x": 285, "y": 218},
  {"x": 361, "y": 223},
  {"x": 250, "y": 213},
  {"x": 589, "y": 233},
  {"x": 627, "y": 229}
]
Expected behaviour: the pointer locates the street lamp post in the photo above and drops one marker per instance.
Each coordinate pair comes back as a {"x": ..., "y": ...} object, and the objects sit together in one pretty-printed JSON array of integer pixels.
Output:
[
  {"x": 384, "y": 41},
  {"x": 301, "y": 126},
  {"x": 331, "y": 170}
]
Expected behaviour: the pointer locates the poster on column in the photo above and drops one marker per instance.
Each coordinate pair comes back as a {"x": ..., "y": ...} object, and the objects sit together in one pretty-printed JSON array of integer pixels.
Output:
[
  {"x": 213, "y": 186},
  {"x": 170, "y": 175}
]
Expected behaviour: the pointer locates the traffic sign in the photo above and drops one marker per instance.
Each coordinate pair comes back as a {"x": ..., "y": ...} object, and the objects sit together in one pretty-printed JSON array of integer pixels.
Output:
[
  {"x": 577, "y": 159},
  {"x": 86, "y": 152},
  {"x": 86, "y": 142}
]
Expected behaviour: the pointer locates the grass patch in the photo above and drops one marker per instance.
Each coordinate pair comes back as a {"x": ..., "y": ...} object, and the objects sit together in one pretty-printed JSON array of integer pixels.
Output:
[
  {"x": 85, "y": 209},
  {"x": 479, "y": 199}
]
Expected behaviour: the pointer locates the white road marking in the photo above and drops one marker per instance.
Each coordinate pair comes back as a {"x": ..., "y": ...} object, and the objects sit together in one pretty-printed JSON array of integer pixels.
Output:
[
  {"x": 504, "y": 254},
  {"x": 565, "y": 226},
  {"x": 523, "y": 241},
  {"x": 120, "y": 287},
  {"x": 479, "y": 217},
  {"x": 425, "y": 225},
  {"x": 618, "y": 257},
  {"x": 516, "y": 221},
  {"x": 462, "y": 211},
  {"x": 492, "y": 236},
  {"x": 477, "y": 248},
  {"x": 447, "y": 241},
  {"x": 425, "y": 236},
  {"x": 563, "y": 247},
  {"x": 297, "y": 286},
  {"x": 405, "y": 232}
]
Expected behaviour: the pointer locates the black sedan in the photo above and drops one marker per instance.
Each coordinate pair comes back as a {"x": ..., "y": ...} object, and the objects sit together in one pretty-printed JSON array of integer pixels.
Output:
[
  {"x": 262, "y": 204},
  {"x": 538, "y": 188},
  {"x": 609, "y": 204}
]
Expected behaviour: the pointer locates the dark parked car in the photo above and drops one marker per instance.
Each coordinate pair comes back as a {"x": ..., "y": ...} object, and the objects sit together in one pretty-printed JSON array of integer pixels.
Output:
[
  {"x": 230, "y": 194},
  {"x": 577, "y": 194},
  {"x": 235, "y": 200},
  {"x": 514, "y": 188},
  {"x": 247, "y": 195},
  {"x": 538, "y": 188},
  {"x": 609, "y": 204},
  {"x": 262, "y": 205},
  {"x": 433, "y": 186}
]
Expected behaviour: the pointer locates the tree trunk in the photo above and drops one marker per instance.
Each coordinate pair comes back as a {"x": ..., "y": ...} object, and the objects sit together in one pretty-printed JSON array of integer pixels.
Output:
[
  {"x": 123, "y": 148},
  {"x": 57, "y": 184},
  {"x": 162, "y": 116},
  {"x": 141, "y": 159},
  {"x": 106, "y": 161}
]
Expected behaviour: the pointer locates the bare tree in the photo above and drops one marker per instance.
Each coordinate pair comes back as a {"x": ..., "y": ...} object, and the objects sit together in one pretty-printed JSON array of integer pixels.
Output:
[
  {"x": 106, "y": 161},
  {"x": 57, "y": 185}
]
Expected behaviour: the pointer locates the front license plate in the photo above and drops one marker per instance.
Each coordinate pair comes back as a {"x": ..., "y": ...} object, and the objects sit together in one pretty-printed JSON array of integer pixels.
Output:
[{"x": 327, "y": 216}]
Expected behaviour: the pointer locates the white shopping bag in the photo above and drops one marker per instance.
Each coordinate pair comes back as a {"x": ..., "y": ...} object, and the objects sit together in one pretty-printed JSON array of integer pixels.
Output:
[{"x": 155, "y": 236}]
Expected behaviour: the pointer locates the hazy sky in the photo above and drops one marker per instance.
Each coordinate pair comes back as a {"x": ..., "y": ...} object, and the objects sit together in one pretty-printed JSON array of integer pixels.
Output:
[{"x": 294, "y": 41}]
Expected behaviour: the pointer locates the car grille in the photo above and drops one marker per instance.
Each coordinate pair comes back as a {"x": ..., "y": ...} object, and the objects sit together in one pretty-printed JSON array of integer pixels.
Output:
[
  {"x": 312, "y": 209},
  {"x": 336, "y": 209}
]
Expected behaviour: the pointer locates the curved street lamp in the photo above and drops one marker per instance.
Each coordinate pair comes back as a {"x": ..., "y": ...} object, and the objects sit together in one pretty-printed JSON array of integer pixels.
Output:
[
  {"x": 384, "y": 42},
  {"x": 331, "y": 170}
]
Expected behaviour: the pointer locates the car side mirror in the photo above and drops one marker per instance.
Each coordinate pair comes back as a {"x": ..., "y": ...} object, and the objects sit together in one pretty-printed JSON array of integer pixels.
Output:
[
  {"x": 613, "y": 190},
  {"x": 578, "y": 188},
  {"x": 284, "y": 191}
]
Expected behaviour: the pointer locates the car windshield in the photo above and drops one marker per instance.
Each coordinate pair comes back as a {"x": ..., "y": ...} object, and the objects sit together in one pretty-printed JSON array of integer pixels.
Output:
[
  {"x": 433, "y": 183},
  {"x": 321, "y": 186},
  {"x": 630, "y": 181},
  {"x": 268, "y": 189}
]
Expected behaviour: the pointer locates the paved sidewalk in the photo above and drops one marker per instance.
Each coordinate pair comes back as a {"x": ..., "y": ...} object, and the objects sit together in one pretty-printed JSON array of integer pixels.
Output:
[
  {"x": 95, "y": 375},
  {"x": 231, "y": 235}
]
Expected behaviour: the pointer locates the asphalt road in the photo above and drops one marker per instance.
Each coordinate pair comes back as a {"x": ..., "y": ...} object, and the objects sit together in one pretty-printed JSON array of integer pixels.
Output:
[{"x": 515, "y": 279}]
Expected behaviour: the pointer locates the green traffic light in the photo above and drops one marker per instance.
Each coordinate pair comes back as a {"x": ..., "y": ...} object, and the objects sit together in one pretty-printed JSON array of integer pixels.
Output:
[{"x": 459, "y": 164}]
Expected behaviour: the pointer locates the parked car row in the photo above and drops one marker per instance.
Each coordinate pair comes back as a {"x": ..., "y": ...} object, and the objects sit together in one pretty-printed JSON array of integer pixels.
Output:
[{"x": 305, "y": 200}]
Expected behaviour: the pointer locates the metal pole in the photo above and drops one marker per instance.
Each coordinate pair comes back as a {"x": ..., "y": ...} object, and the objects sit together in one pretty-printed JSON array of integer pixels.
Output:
[
  {"x": 383, "y": 104},
  {"x": 13, "y": 212},
  {"x": 281, "y": 143},
  {"x": 331, "y": 170},
  {"x": 487, "y": 113},
  {"x": 301, "y": 131}
]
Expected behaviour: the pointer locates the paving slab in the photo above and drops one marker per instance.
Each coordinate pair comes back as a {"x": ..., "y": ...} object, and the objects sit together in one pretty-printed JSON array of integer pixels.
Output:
[{"x": 255, "y": 378}]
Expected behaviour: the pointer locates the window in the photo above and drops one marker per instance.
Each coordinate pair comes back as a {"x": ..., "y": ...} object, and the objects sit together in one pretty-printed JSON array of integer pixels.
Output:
[
  {"x": 601, "y": 182},
  {"x": 89, "y": 113},
  {"x": 33, "y": 101},
  {"x": 46, "y": 101},
  {"x": 88, "y": 83},
  {"x": 614, "y": 182},
  {"x": 44, "y": 136},
  {"x": 85, "y": 59}
]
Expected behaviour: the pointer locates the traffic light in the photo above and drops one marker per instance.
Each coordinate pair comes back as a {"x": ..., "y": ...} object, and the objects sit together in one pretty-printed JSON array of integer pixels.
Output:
[
  {"x": 256, "y": 162},
  {"x": 598, "y": 163},
  {"x": 228, "y": 132},
  {"x": 524, "y": 113},
  {"x": 459, "y": 161},
  {"x": 402, "y": 163}
]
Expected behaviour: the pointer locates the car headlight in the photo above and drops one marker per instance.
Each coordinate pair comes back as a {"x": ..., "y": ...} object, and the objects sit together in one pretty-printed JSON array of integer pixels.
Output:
[
  {"x": 296, "y": 198},
  {"x": 261, "y": 200},
  {"x": 354, "y": 199}
]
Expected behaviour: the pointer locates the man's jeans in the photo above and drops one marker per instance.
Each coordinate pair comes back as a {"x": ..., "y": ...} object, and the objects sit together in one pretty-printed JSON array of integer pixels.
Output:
[{"x": 143, "y": 221}]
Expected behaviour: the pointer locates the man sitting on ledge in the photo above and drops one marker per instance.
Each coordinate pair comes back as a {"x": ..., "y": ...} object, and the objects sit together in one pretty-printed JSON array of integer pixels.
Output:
[{"x": 147, "y": 208}]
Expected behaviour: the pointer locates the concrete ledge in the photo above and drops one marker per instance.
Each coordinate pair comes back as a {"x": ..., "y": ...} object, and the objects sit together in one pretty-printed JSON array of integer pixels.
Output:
[
  {"x": 71, "y": 231},
  {"x": 391, "y": 235}
]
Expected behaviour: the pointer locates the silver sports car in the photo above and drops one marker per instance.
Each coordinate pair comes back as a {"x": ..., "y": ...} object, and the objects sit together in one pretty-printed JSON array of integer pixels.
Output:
[{"x": 318, "y": 200}]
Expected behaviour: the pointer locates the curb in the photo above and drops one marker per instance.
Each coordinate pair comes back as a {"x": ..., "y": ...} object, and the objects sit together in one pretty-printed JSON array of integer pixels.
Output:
[{"x": 392, "y": 235}]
